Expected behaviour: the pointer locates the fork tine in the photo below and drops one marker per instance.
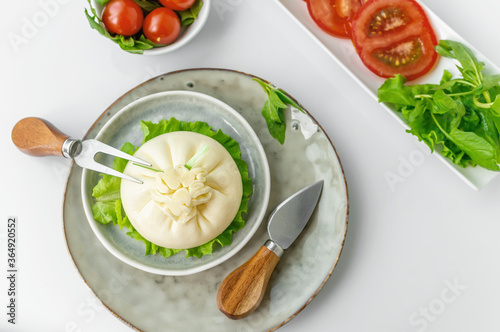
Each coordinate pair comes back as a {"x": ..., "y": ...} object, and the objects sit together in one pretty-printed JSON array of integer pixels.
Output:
[
  {"x": 97, "y": 147},
  {"x": 95, "y": 166},
  {"x": 86, "y": 158}
]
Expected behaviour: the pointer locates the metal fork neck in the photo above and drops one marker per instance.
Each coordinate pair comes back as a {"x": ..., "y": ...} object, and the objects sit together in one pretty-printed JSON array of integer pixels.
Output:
[{"x": 71, "y": 148}]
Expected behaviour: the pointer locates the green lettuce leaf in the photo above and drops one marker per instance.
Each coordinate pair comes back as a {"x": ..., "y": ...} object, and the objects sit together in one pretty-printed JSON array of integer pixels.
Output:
[{"x": 108, "y": 208}]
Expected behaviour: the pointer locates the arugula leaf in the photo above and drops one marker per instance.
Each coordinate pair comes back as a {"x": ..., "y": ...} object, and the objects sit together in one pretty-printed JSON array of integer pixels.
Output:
[
  {"x": 460, "y": 117},
  {"x": 273, "y": 109},
  {"x": 443, "y": 103},
  {"x": 108, "y": 207},
  {"x": 476, "y": 147}
]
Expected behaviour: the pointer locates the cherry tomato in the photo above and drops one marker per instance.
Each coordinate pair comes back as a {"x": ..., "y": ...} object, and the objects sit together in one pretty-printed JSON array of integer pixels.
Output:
[
  {"x": 162, "y": 26},
  {"x": 334, "y": 16},
  {"x": 123, "y": 17},
  {"x": 394, "y": 37},
  {"x": 177, "y": 4}
]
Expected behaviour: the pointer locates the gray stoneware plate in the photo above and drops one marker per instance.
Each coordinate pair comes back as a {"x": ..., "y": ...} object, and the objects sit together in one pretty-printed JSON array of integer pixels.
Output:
[
  {"x": 152, "y": 302},
  {"x": 187, "y": 106}
]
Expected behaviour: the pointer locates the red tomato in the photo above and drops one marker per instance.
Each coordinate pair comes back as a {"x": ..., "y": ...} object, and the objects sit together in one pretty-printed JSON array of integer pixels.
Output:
[
  {"x": 123, "y": 17},
  {"x": 394, "y": 37},
  {"x": 334, "y": 16},
  {"x": 162, "y": 26},
  {"x": 177, "y": 4}
]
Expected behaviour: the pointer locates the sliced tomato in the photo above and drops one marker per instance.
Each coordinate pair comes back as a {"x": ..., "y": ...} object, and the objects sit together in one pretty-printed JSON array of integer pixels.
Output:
[
  {"x": 394, "y": 37},
  {"x": 334, "y": 16}
]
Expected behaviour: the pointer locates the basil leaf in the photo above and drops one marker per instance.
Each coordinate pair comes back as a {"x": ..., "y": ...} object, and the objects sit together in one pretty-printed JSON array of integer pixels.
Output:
[
  {"x": 273, "y": 109},
  {"x": 277, "y": 128},
  {"x": 276, "y": 102},
  {"x": 287, "y": 100}
]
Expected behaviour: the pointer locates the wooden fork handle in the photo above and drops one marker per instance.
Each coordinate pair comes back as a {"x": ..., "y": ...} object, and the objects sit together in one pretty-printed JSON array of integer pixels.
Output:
[
  {"x": 38, "y": 137},
  {"x": 243, "y": 289}
]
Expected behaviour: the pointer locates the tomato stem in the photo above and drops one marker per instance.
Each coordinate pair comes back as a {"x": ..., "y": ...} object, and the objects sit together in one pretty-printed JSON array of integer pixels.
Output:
[
  {"x": 486, "y": 95},
  {"x": 466, "y": 82},
  {"x": 480, "y": 104},
  {"x": 460, "y": 94}
]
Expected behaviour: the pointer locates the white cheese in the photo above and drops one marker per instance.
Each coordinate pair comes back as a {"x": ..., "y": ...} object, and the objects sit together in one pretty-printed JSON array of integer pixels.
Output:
[{"x": 179, "y": 208}]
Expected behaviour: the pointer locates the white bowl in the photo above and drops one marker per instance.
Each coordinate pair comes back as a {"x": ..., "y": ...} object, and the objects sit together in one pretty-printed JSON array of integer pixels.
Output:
[
  {"x": 185, "y": 35},
  {"x": 187, "y": 106}
]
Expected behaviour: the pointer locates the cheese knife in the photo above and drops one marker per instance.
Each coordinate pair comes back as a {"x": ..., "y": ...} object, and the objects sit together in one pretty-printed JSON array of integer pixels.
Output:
[{"x": 242, "y": 290}]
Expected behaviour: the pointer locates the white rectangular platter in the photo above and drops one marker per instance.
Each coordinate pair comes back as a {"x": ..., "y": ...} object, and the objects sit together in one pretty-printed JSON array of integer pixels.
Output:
[{"x": 342, "y": 51}]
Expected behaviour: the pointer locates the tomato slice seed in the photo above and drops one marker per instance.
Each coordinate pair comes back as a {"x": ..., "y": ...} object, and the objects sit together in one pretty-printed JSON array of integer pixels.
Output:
[
  {"x": 402, "y": 54},
  {"x": 387, "y": 19}
]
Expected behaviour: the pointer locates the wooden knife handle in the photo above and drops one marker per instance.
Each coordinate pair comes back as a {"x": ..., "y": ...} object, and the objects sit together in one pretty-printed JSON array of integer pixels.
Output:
[
  {"x": 243, "y": 289},
  {"x": 38, "y": 137}
]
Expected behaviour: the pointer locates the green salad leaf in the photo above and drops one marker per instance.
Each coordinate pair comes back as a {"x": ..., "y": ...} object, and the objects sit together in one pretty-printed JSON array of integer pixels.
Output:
[
  {"x": 148, "y": 6},
  {"x": 188, "y": 16},
  {"x": 108, "y": 208},
  {"x": 459, "y": 116},
  {"x": 273, "y": 109}
]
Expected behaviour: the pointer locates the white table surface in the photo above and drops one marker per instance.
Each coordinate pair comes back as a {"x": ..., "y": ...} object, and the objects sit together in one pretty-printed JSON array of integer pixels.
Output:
[{"x": 406, "y": 245}]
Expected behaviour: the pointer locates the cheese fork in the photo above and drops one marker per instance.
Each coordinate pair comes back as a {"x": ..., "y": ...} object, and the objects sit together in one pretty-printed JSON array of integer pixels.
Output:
[{"x": 38, "y": 137}]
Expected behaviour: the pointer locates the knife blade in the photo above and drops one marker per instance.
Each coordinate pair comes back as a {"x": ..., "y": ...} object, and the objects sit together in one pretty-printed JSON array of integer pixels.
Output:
[{"x": 242, "y": 290}]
